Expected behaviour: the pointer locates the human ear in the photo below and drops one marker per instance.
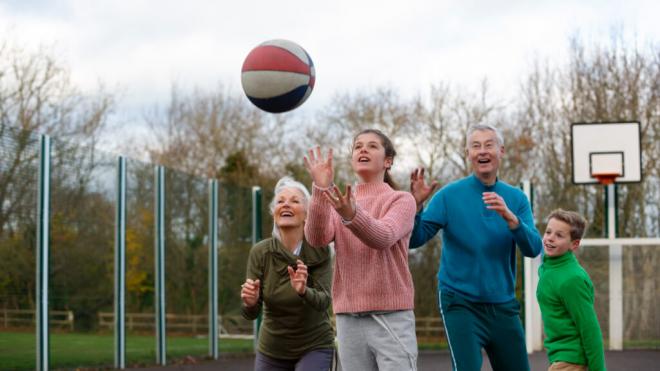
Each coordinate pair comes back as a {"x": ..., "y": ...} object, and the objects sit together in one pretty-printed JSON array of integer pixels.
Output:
[
  {"x": 388, "y": 162},
  {"x": 575, "y": 244}
]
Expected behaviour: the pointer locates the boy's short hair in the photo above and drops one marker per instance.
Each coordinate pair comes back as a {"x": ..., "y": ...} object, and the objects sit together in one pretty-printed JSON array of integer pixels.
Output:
[{"x": 576, "y": 221}]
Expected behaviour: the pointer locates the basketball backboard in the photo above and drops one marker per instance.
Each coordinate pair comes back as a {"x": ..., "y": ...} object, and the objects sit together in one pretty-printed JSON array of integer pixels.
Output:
[{"x": 606, "y": 150}]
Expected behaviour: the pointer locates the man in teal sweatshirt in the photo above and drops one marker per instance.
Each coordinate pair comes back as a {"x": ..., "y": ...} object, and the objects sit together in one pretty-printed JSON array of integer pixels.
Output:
[
  {"x": 483, "y": 220},
  {"x": 566, "y": 297}
]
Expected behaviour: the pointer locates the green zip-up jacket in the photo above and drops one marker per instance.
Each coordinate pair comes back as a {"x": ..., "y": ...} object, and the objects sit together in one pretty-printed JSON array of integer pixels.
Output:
[
  {"x": 566, "y": 297},
  {"x": 292, "y": 325}
]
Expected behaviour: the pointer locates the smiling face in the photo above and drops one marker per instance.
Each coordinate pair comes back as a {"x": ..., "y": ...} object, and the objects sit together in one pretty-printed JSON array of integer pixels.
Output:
[
  {"x": 484, "y": 153},
  {"x": 557, "y": 238},
  {"x": 368, "y": 158},
  {"x": 289, "y": 210}
]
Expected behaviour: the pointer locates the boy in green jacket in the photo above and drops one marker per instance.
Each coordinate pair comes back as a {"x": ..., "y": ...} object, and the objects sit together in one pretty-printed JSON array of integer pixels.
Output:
[{"x": 566, "y": 297}]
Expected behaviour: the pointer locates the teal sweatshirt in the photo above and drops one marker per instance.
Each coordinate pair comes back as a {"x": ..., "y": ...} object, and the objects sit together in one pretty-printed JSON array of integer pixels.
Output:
[
  {"x": 478, "y": 248},
  {"x": 566, "y": 297}
]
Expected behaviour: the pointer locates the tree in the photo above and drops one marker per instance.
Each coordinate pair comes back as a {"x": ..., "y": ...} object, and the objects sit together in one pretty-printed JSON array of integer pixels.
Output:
[
  {"x": 442, "y": 124},
  {"x": 599, "y": 83},
  {"x": 348, "y": 114},
  {"x": 37, "y": 96},
  {"x": 197, "y": 132}
]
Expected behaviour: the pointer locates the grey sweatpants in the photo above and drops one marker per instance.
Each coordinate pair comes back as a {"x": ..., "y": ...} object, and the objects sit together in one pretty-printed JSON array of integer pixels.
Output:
[{"x": 377, "y": 341}]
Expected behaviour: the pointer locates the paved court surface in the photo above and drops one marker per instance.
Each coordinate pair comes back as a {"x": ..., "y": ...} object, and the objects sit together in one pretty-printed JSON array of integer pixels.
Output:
[{"x": 629, "y": 360}]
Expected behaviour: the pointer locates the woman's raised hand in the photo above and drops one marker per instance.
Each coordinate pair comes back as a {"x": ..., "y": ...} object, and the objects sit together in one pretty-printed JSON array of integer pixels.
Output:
[
  {"x": 250, "y": 292},
  {"x": 298, "y": 277},
  {"x": 320, "y": 168}
]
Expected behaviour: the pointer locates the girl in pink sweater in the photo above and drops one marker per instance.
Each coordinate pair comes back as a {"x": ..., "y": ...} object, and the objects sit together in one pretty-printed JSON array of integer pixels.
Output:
[{"x": 372, "y": 292}]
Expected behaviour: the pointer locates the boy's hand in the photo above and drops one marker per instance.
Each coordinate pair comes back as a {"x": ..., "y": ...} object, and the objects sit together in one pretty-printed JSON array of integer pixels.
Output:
[{"x": 495, "y": 202}]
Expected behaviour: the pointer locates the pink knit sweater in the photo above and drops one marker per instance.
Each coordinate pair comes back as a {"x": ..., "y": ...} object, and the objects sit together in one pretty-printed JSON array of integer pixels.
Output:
[{"x": 371, "y": 263}]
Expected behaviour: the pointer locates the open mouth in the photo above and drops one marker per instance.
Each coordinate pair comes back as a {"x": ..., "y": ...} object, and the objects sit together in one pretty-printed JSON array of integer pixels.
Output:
[
  {"x": 483, "y": 161},
  {"x": 549, "y": 246},
  {"x": 363, "y": 159},
  {"x": 286, "y": 214}
]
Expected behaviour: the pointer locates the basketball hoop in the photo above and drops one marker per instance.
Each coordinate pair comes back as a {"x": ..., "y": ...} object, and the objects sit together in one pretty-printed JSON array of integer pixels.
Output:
[
  {"x": 606, "y": 178},
  {"x": 606, "y": 153}
]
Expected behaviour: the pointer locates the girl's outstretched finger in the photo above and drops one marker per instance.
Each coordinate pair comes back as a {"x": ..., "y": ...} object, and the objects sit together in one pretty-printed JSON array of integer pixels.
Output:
[
  {"x": 328, "y": 196},
  {"x": 337, "y": 193},
  {"x": 308, "y": 166}
]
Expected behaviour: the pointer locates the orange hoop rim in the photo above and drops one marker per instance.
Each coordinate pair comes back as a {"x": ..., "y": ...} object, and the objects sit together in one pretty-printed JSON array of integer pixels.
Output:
[{"x": 606, "y": 178}]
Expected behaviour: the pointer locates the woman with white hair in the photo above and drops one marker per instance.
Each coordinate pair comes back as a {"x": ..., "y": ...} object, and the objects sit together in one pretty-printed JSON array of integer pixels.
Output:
[{"x": 291, "y": 282}]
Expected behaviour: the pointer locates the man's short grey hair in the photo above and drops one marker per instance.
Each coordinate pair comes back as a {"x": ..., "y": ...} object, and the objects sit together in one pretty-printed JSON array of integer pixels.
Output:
[
  {"x": 482, "y": 127},
  {"x": 286, "y": 183}
]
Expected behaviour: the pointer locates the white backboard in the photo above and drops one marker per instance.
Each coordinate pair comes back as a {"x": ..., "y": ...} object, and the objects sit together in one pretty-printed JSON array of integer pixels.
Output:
[{"x": 606, "y": 147}]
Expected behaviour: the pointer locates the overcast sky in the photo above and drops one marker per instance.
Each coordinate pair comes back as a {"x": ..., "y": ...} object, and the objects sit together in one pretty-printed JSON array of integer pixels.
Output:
[{"x": 142, "y": 47}]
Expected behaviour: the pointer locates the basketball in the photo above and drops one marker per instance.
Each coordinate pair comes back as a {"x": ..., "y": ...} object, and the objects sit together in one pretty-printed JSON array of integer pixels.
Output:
[{"x": 278, "y": 76}]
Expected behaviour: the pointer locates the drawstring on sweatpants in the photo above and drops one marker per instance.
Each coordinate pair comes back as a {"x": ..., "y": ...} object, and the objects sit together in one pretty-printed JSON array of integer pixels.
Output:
[{"x": 382, "y": 321}]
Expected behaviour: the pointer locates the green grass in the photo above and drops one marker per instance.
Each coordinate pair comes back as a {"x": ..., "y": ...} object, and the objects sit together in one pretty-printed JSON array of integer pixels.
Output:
[
  {"x": 431, "y": 345},
  {"x": 17, "y": 349}
]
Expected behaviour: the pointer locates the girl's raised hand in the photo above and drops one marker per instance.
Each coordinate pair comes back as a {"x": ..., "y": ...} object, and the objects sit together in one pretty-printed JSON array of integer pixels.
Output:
[
  {"x": 344, "y": 204},
  {"x": 320, "y": 168}
]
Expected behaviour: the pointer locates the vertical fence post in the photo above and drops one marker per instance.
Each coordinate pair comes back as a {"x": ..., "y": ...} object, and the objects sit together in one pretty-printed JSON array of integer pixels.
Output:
[
  {"x": 161, "y": 348},
  {"x": 120, "y": 266},
  {"x": 256, "y": 237},
  {"x": 43, "y": 233},
  {"x": 533, "y": 323},
  {"x": 213, "y": 269},
  {"x": 616, "y": 272}
]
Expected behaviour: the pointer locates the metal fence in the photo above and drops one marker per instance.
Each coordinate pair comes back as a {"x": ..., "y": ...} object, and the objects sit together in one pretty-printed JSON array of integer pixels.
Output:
[
  {"x": 85, "y": 232},
  {"x": 87, "y": 237}
]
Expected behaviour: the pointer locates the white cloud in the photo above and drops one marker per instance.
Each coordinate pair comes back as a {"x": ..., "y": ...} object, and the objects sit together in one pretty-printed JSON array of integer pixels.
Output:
[{"x": 144, "y": 46}]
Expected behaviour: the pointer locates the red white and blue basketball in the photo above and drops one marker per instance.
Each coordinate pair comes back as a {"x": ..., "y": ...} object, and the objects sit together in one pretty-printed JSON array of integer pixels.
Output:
[{"x": 278, "y": 76}]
